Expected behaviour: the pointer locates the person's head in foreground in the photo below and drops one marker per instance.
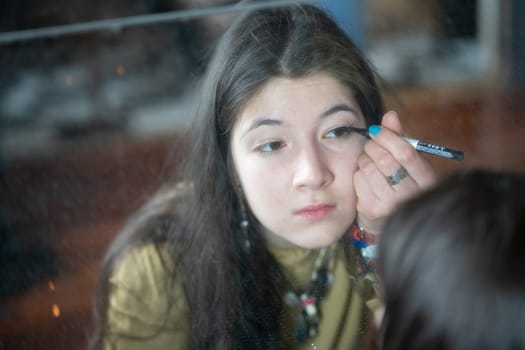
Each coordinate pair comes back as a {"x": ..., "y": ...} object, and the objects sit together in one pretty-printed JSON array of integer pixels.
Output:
[{"x": 453, "y": 266}]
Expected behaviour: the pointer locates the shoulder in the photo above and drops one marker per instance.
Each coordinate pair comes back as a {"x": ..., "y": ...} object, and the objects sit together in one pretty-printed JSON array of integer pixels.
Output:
[
  {"x": 139, "y": 258},
  {"x": 145, "y": 310},
  {"x": 144, "y": 268},
  {"x": 141, "y": 261},
  {"x": 145, "y": 288}
]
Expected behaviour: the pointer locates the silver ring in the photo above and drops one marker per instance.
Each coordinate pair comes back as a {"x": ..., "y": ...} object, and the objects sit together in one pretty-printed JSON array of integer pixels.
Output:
[{"x": 396, "y": 177}]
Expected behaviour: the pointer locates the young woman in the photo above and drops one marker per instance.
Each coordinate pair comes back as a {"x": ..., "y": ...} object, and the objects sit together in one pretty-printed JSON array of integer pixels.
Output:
[
  {"x": 452, "y": 266},
  {"x": 250, "y": 251}
]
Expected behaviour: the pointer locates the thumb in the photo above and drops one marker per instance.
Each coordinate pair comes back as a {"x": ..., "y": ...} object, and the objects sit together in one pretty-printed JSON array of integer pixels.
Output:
[{"x": 392, "y": 122}]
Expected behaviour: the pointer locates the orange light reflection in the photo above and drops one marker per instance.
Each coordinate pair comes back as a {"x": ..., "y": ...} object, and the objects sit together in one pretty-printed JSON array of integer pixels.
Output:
[{"x": 55, "y": 310}]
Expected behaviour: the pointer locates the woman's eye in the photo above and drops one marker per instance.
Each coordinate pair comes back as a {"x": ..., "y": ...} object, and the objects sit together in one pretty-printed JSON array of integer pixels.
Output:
[
  {"x": 338, "y": 132},
  {"x": 270, "y": 146}
]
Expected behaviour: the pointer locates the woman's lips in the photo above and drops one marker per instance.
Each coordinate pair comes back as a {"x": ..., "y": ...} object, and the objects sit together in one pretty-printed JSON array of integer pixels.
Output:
[{"x": 315, "y": 212}]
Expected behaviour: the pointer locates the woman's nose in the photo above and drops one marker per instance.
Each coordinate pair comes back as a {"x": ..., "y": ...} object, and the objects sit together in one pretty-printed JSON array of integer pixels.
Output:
[{"x": 312, "y": 170}]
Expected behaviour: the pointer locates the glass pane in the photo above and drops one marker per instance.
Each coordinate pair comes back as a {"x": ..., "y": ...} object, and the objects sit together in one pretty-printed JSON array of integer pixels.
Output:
[{"x": 96, "y": 99}]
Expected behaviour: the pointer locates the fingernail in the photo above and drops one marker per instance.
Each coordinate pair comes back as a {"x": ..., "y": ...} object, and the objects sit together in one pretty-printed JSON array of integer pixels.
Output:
[{"x": 374, "y": 129}]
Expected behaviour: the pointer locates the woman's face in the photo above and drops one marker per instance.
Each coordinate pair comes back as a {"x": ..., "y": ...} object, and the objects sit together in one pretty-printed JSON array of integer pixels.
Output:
[{"x": 295, "y": 160}]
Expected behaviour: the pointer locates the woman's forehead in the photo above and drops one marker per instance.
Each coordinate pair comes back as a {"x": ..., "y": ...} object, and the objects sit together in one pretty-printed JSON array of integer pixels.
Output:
[{"x": 282, "y": 97}]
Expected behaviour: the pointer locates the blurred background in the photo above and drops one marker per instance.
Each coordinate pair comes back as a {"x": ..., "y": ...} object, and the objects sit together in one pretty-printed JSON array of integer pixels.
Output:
[{"x": 95, "y": 99}]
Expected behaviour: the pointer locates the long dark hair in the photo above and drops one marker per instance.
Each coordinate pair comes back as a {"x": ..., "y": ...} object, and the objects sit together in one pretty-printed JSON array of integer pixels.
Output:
[
  {"x": 235, "y": 294},
  {"x": 453, "y": 267}
]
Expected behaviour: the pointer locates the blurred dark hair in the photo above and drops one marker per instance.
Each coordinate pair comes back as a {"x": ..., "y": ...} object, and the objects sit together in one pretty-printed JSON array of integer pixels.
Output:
[
  {"x": 235, "y": 295},
  {"x": 453, "y": 267}
]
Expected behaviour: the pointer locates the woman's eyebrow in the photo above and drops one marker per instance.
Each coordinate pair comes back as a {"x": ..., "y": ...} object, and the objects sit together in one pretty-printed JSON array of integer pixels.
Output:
[
  {"x": 269, "y": 121},
  {"x": 339, "y": 108},
  {"x": 262, "y": 121}
]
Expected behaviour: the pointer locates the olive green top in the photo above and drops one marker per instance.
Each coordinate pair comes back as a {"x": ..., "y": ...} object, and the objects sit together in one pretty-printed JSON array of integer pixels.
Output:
[{"x": 138, "y": 301}]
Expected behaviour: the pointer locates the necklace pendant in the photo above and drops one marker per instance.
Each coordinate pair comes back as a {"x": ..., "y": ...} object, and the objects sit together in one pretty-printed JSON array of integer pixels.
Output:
[{"x": 291, "y": 299}]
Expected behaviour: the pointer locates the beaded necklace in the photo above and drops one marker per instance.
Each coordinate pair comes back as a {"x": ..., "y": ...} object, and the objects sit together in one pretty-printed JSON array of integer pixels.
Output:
[{"x": 306, "y": 300}]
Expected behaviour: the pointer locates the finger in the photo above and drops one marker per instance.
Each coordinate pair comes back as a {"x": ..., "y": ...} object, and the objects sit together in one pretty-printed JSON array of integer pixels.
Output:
[
  {"x": 373, "y": 175},
  {"x": 387, "y": 165},
  {"x": 363, "y": 191},
  {"x": 367, "y": 201},
  {"x": 391, "y": 121},
  {"x": 363, "y": 160},
  {"x": 401, "y": 152},
  {"x": 370, "y": 208},
  {"x": 375, "y": 178}
]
